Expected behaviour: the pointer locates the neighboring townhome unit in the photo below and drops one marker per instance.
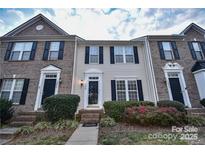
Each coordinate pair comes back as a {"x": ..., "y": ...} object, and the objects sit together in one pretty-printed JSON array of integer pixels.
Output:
[
  {"x": 36, "y": 62},
  {"x": 111, "y": 71},
  {"x": 178, "y": 62}
]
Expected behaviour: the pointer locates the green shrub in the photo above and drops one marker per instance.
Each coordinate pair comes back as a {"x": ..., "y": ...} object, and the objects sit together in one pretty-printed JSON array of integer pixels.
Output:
[
  {"x": 203, "y": 102},
  {"x": 196, "y": 121},
  {"x": 146, "y": 115},
  {"x": 167, "y": 103},
  {"x": 6, "y": 110},
  {"x": 115, "y": 109},
  {"x": 25, "y": 130},
  {"x": 63, "y": 124},
  {"x": 146, "y": 103},
  {"x": 107, "y": 122},
  {"x": 61, "y": 106},
  {"x": 42, "y": 125}
]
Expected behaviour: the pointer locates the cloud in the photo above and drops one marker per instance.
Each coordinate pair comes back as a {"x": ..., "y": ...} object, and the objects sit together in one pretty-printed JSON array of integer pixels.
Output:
[{"x": 111, "y": 23}]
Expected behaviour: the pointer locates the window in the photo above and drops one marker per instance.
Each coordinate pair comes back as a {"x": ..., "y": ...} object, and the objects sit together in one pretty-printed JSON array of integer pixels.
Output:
[
  {"x": 168, "y": 53},
  {"x": 124, "y": 54},
  {"x": 21, "y": 51},
  {"x": 12, "y": 89},
  {"x": 126, "y": 90},
  {"x": 198, "y": 50},
  {"x": 94, "y": 55},
  {"x": 54, "y": 50}
]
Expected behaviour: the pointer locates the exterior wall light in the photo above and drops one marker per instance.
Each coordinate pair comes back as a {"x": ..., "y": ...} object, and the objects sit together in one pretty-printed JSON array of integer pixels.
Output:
[{"x": 81, "y": 83}]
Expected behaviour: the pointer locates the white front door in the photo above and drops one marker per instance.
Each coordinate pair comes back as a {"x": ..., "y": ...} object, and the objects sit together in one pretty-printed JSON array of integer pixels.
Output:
[{"x": 93, "y": 91}]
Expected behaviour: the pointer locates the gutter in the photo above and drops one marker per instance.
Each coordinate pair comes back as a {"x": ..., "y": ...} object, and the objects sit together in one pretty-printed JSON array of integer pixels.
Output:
[{"x": 74, "y": 66}]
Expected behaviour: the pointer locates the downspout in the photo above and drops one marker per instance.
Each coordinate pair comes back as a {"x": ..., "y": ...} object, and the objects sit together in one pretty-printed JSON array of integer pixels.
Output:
[
  {"x": 74, "y": 66},
  {"x": 151, "y": 68}
]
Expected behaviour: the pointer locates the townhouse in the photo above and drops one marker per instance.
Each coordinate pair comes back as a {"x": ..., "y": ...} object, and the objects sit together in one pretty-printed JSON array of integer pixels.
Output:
[
  {"x": 178, "y": 65},
  {"x": 39, "y": 59}
]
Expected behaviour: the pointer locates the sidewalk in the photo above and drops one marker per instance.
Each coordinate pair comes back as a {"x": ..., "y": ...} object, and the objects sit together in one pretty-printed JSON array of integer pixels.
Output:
[{"x": 84, "y": 136}]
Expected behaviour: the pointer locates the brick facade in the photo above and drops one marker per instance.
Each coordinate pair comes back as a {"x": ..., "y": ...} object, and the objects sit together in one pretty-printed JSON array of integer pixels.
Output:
[{"x": 186, "y": 61}]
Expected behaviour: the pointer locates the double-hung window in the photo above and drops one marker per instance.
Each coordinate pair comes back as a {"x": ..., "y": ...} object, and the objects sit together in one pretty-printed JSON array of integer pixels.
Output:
[
  {"x": 168, "y": 52},
  {"x": 198, "y": 50},
  {"x": 54, "y": 50},
  {"x": 94, "y": 55},
  {"x": 126, "y": 90},
  {"x": 124, "y": 54},
  {"x": 21, "y": 51},
  {"x": 12, "y": 89}
]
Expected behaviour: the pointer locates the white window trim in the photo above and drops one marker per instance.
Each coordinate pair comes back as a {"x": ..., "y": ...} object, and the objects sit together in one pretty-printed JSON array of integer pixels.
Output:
[
  {"x": 126, "y": 88},
  {"x": 97, "y": 55},
  {"x": 176, "y": 68},
  {"x": 49, "y": 53},
  {"x": 124, "y": 55},
  {"x": 21, "y": 52},
  {"x": 47, "y": 70},
  {"x": 172, "y": 53},
  {"x": 203, "y": 56},
  {"x": 12, "y": 90}
]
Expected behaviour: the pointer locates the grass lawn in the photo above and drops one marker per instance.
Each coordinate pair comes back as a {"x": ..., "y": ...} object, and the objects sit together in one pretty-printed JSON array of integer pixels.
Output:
[
  {"x": 44, "y": 134},
  {"x": 123, "y": 134}
]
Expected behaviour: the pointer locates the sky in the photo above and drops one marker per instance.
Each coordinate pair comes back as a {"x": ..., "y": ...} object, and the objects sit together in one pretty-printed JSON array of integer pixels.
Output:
[{"x": 111, "y": 23}]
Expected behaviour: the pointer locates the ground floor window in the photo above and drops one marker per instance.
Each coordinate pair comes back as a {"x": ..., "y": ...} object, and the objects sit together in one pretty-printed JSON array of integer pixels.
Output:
[
  {"x": 12, "y": 89},
  {"x": 126, "y": 90}
]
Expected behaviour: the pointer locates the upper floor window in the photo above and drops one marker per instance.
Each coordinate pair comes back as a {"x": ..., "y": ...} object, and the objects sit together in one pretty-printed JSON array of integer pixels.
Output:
[
  {"x": 21, "y": 51},
  {"x": 54, "y": 50},
  {"x": 124, "y": 54},
  {"x": 168, "y": 53},
  {"x": 168, "y": 50},
  {"x": 12, "y": 89},
  {"x": 198, "y": 51},
  {"x": 94, "y": 55}
]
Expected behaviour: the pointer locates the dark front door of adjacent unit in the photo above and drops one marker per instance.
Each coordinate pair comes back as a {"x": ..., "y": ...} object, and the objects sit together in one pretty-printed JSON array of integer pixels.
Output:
[
  {"x": 93, "y": 92},
  {"x": 176, "y": 90},
  {"x": 49, "y": 88}
]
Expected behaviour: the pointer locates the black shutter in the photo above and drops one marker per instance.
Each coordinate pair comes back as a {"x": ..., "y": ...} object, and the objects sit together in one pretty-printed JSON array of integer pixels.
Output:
[
  {"x": 46, "y": 50},
  {"x": 100, "y": 55},
  {"x": 0, "y": 83},
  {"x": 33, "y": 50},
  {"x": 8, "y": 51},
  {"x": 87, "y": 50},
  {"x": 24, "y": 92},
  {"x": 113, "y": 90},
  {"x": 140, "y": 91},
  {"x": 175, "y": 50},
  {"x": 191, "y": 48},
  {"x": 203, "y": 47},
  {"x": 161, "y": 50},
  {"x": 61, "y": 50},
  {"x": 112, "y": 56},
  {"x": 136, "y": 55}
]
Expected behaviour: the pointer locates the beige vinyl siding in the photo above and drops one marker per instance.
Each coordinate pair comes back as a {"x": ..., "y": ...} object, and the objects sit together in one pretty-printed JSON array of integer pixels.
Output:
[{"x": 110, "y": 72}]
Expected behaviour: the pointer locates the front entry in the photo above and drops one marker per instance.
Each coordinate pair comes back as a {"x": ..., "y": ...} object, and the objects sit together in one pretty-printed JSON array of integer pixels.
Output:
[
  {"x": 48, "y": 89},
  {"x": 93, "y": 92},
  {"x": 176, "y": 89}
]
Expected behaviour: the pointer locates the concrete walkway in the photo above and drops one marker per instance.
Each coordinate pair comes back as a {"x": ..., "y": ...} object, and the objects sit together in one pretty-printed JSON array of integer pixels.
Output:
[
  {"x": 84, "y": 136},
  {"x": 7, "y": 134}
]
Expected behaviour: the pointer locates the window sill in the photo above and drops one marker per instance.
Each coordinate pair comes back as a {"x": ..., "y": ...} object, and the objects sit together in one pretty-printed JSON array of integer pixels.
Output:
[{"x": 19, "y": 60}]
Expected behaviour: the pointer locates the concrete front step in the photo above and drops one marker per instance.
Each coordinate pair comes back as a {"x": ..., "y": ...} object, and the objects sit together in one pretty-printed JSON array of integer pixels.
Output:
[
  {"x": 28, "y": 113},
  {"x": 21, "y": 123},
  {"x": 196, "y": 110},
  {"x": 199, "y": 114},
  {"x": 25, "y": 118},
  {"x": 7, "y": 133}
]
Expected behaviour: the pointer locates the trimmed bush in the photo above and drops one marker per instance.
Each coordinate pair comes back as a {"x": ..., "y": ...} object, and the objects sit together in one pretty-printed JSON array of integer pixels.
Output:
[
  {"x": 6, "y": 110},
  {"x": 61, "y": 106},
  {"x": 203, "y": 102},
  {"x": 167, "y": 103},
  {"x": 196, "y": 121},
  {"x": 146, "y": 115},
  {"x": 115, "y": 109},
  {"x": 107, "y": 122}
]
